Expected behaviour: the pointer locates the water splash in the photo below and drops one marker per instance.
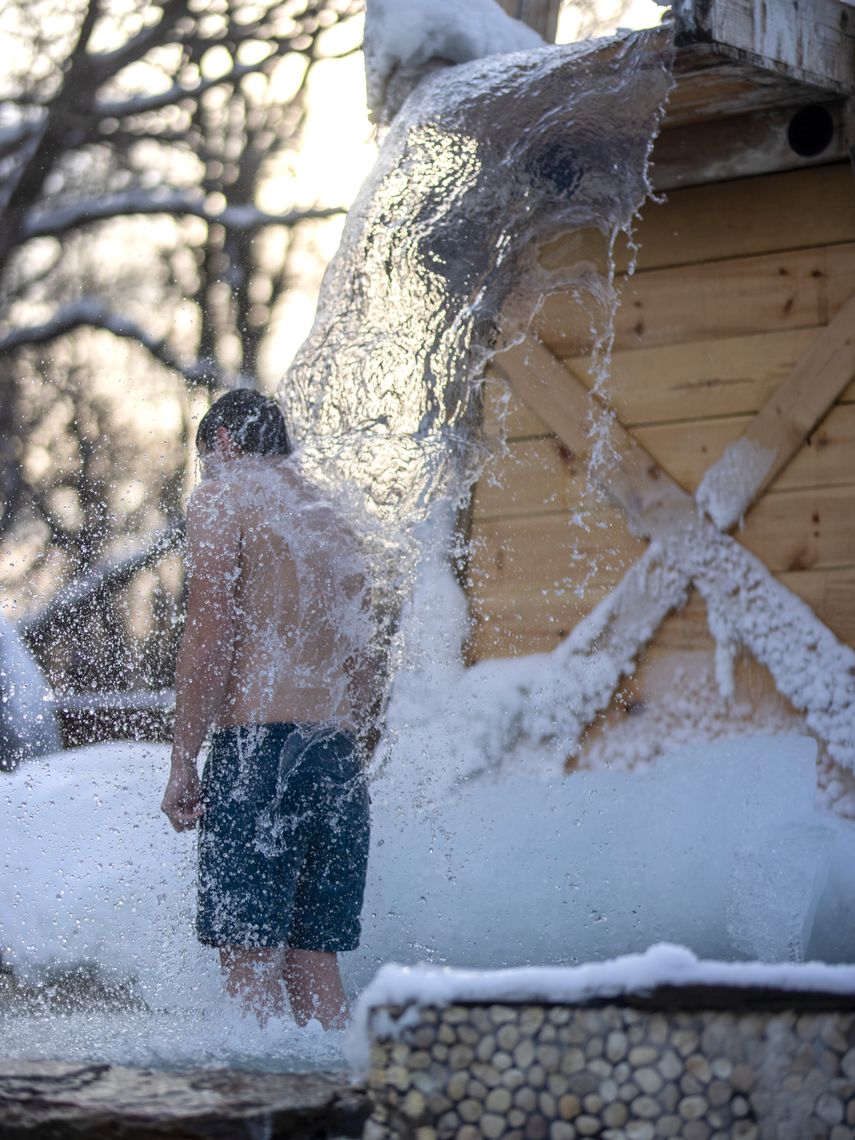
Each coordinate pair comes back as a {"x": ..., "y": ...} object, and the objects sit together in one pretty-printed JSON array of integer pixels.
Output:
[{"x": 484, "y": 162}]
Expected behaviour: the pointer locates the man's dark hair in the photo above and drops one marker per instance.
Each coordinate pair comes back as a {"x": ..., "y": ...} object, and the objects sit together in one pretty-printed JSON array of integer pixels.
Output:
[{"x": 254, "y": 422}]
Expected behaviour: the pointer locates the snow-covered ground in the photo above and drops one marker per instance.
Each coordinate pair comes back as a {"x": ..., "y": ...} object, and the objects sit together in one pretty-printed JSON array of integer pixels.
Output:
[
  {"x": 720, "y": 849},
  {"x": 91, "y": 872}
]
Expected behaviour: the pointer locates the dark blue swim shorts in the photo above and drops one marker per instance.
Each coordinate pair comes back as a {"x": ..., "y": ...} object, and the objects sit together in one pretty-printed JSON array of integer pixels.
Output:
[{"x": 283, "y": 842}]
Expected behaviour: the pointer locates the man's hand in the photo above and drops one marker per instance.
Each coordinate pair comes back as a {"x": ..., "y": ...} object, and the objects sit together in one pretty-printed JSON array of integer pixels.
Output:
[
  {"x": 367, "y": 740},
  {"x": 182, "y": 800}
]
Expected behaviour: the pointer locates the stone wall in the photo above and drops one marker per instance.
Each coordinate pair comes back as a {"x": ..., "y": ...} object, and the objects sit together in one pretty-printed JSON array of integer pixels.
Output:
[{"x": 616, "y": 1071}]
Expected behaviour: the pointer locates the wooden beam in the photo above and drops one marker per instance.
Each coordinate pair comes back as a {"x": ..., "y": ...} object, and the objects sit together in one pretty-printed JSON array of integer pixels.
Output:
[
  {"x": 714, "y": 300},
  {"x": 689, "y": 550},
  {"x": 743, "y": 146},
  {"x": 811, "y": 42},
  {"x": 632, "y": 476},
  {"x": 538, "y": 473},
  {"x": 778, "y": 430},
  {"x": 627, "y": 472},
  {"x": 542, "y": 15}
]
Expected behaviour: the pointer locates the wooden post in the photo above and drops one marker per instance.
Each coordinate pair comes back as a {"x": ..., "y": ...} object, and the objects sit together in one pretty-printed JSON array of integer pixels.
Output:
[{"x": 542, "y": 15}]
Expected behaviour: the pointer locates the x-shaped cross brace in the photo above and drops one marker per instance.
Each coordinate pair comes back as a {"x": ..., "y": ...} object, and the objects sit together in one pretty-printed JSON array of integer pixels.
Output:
[{"x": 689, "y": 545}]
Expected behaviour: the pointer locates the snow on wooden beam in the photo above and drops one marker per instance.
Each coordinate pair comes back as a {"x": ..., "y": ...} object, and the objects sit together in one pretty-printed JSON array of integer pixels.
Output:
[
  {"x": 779, "y": 429},
  {"x": 813, "y": 42},
  {"x": 542, "y": 15},
  {"x": 747, "y": 606}
]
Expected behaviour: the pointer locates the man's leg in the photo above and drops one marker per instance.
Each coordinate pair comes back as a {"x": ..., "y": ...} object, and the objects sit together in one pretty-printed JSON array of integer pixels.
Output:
[
  {"x": 314, "y": 988},
  {"x": 254, "y": 977}
]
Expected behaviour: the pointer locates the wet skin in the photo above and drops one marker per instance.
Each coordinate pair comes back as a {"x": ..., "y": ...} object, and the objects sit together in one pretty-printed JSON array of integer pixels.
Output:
[{"x": 262, "y": 644}]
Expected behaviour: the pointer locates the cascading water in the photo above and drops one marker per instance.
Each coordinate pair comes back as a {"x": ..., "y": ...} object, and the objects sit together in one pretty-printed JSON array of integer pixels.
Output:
[
  {"x": 438, "y": 266},
  {"x": 483, "y": 163},
  {"x": 384, "y": 400}
]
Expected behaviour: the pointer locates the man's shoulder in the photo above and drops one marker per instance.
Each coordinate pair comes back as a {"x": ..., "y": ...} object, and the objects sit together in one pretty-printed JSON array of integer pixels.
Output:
[
  {"x": 243, "y": 489},
  {"x": 213, "y": 501}
]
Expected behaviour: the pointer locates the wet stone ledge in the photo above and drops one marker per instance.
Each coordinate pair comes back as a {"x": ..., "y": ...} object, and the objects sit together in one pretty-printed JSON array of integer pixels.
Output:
[
  {"x": 613, "y": 1071},
  {"x": 64, "y": 1101}
]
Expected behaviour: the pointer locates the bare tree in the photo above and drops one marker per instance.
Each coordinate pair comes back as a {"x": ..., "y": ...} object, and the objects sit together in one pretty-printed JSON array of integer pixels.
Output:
[{"x": 139, "y": 264}]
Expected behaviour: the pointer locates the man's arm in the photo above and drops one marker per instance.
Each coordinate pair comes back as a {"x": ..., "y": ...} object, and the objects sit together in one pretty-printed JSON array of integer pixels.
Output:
[
  {"x": 367, "y": 676},
  {"x": 205, "y": 654}
]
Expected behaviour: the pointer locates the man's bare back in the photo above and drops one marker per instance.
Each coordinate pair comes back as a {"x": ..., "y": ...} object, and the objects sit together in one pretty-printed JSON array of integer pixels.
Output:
[{"x": 299, "y": 595}]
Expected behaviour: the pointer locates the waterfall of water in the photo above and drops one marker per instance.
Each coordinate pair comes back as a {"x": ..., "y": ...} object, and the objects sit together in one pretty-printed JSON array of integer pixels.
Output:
[{"x": 484, "y": 162}]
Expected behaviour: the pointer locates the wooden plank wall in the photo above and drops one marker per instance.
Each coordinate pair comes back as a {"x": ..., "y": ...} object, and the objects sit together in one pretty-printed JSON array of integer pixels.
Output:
[{"x": 734, "y": 281}]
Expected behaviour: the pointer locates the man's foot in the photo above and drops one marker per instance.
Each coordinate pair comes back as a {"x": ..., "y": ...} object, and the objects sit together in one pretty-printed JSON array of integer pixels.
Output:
[
  {"x": 315, "y": 990},
  {"x": 254, "y": 977}
]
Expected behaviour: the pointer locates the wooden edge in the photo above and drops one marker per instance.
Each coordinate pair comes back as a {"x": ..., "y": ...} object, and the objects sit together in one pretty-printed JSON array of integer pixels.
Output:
[
  {"x": 633, "y": 477},
  {"x": 809, "y": 42},
  {"x": 849, "y": 129},
  {"x": 741, "y": 146},
  {"x": 542, "y": 15}
]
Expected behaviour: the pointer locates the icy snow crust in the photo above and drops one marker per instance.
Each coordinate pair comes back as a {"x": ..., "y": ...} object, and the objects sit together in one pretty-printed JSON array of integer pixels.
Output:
[
  {"x": 720, "y": 848},
  {"x": 660, "y": 965},
  {"x": 721, "y": 492}
]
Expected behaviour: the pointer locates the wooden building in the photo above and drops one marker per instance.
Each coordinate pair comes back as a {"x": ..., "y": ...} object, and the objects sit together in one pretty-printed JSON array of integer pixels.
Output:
[{"x": 738, "y": 324}]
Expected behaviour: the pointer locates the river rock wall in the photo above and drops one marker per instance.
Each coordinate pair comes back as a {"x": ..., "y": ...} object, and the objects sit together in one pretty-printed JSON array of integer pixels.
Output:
[{"x": 555, "y": 1072}]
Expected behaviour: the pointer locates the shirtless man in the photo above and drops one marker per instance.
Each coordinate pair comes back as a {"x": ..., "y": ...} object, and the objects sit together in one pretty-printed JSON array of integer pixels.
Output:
[{"x": 274, "y": 656}]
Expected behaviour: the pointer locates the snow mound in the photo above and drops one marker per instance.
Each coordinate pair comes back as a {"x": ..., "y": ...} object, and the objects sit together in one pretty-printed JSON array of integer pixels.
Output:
[
  {"x": 90, "y": 871},
  {"x": 407, "y": 34},
  {"x": 719, "y": 847},
  {"x": 27, "y": 724}
]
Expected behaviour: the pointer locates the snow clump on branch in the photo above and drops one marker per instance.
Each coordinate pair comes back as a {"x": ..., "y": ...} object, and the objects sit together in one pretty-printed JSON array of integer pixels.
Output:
[{"x": 406, "y": 38}]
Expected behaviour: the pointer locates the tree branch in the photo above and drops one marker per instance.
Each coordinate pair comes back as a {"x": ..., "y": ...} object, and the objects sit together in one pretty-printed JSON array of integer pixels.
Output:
[
  {"x": 140, "y": 104},
  {"x": 89, "y": 312},
  {"x": 11, "y": 138},
  {"x": 68, "y": 119},
  {"x": 55, "y": 223},
  {"x": 104, "y": 65},
  {"x": 106, "y": 578}
]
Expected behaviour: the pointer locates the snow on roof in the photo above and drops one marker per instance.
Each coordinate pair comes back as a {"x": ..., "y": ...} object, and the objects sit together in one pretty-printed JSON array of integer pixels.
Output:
[{"x": 407, "y": 34}]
